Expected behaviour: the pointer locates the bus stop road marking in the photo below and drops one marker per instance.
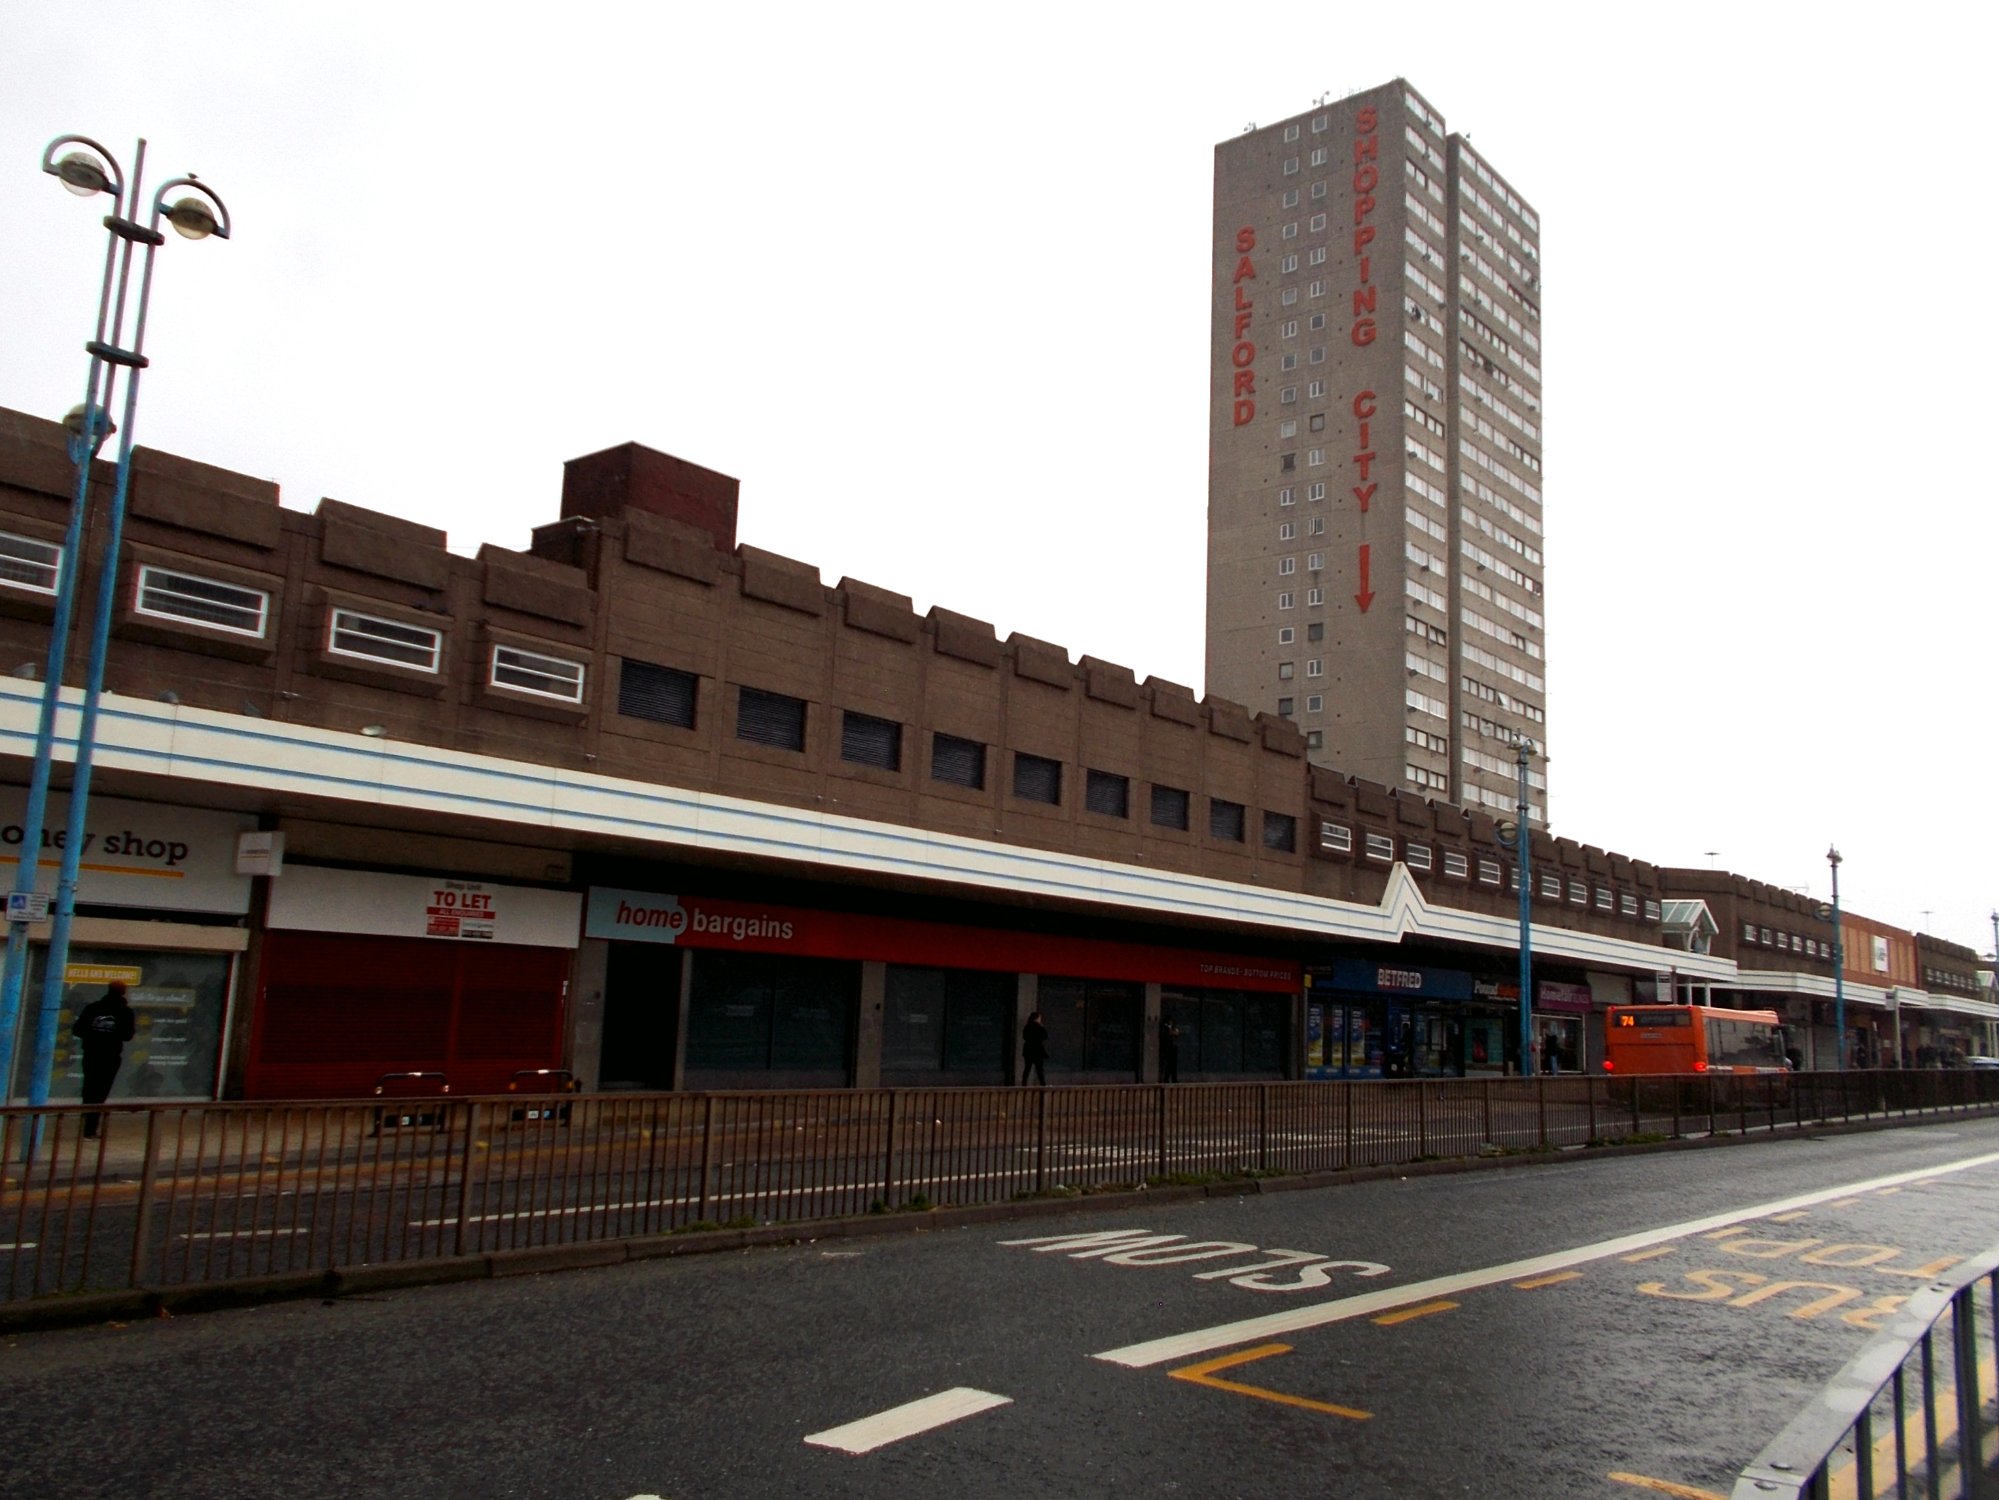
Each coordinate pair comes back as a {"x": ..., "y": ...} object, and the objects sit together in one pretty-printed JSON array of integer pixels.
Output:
[
  {"x": 900, "y": 1422},
  {"x": 1204, "y": 1374},
  {"x": 1535, "y": 1284},
  {"x": 1666, "y": 1487},
  {"x": 1368, "y": 1304},
  {"x": 1653, "y": 1254},
  {"x": 1410, "y": 1314}
]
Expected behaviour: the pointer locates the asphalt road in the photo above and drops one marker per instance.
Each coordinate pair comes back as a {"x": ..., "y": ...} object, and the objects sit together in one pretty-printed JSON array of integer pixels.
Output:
[{"x": 1588, "y": 1329}]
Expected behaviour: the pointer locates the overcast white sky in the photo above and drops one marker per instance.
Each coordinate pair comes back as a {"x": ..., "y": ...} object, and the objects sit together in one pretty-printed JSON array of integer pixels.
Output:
[{"x": 933, "y": 283}]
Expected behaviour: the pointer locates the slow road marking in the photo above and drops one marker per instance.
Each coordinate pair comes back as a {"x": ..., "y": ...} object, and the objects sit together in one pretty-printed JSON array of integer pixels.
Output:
[
  {"x": 899, "y": 1422},
  {"x": 1369, "y": 1304}
]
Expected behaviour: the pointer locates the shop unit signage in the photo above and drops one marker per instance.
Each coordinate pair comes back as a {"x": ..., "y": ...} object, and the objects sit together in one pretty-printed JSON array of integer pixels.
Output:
[
  {"x": 311, "y": 898},
  {"x": 758, "y": 927},
  {"x": 1365, "y": 976},
  {"x": 1554, "y": 994},
  {"x": 136, "y": 853}
]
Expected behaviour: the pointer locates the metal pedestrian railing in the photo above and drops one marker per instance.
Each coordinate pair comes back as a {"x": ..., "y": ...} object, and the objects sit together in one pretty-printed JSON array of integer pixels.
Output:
[
  {"x": 1914, "y": 1413},
  {"x": 189, "y": 1195}
]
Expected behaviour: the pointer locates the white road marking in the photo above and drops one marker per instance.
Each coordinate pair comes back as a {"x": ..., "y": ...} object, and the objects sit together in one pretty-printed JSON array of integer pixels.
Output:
[
  {"x": 907, "y": 1420},
  {"x": 22, "y": 1245},
  {"x": 739, "y": 1199},
  {"x": 237, "y": 1234},
  {"x": 1274, "y": 1325}
]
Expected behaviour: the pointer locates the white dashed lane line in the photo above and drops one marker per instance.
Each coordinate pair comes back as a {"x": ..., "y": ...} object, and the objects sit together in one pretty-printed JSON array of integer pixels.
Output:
[{"x": 899, "y": 1422}]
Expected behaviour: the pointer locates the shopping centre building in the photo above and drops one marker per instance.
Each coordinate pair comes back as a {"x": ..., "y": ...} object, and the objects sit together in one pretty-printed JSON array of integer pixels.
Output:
[{"x": 668, "y": 811}]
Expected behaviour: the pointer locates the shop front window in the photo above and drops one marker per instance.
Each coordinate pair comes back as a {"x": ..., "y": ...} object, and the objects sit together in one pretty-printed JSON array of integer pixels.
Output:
[
  {"x": 947, "y": 1021},
  {"x": 1092, "y": 1025},
  {"x": 772, "y": 1014},
  {"x": 178, "y": 1000},
  {"x": 1227, "y": 1033}
]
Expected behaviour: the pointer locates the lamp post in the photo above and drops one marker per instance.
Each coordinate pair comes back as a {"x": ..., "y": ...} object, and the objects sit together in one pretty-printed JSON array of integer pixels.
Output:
[
  {"x": 1838, "y": 965},
  {"x": 1989, "y": 1034},
  {"x": 88, "y": 169},
  {"x": 1521, "y": 843}
]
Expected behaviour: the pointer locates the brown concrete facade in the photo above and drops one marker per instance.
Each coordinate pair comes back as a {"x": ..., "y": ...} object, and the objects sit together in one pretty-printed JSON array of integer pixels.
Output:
[
  {"x": 637, "y": 643},
  {"x": 1204, "y": 786}
]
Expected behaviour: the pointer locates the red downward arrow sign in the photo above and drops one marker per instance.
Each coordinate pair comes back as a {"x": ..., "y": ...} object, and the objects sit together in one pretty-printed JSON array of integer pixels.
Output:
[{"x": 1366, "y": 595}]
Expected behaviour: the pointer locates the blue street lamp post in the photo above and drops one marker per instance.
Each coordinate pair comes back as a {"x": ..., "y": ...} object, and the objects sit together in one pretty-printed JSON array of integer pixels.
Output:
[
  {"x": 88, "y": 169},
  {"x": 1521, "y": 751},
  {"x": 1519, "y": 840},
  {"x": 1838, "y": 965}
]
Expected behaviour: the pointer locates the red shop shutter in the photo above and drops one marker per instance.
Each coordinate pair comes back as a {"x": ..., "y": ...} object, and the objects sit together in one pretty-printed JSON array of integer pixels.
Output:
[{"x": 337, "y": 1011}]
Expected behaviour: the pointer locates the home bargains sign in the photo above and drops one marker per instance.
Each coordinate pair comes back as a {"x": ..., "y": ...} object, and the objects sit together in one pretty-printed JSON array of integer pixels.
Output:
[{"x": 756, "y": 927}]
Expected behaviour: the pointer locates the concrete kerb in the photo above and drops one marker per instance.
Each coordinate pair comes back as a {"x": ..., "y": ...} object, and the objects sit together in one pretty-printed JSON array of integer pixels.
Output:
[{"x": 84, "y": 1308}]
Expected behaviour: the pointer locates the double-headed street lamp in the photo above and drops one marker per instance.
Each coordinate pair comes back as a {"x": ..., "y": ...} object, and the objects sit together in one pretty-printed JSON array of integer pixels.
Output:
[
  {"x": 87, "y": 169},
  {"x": 1838, "y": 964}
]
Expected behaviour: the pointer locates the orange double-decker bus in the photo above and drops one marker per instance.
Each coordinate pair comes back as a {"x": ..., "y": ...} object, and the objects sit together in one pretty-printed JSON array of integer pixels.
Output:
[{"x": 1693, "y": 1039}]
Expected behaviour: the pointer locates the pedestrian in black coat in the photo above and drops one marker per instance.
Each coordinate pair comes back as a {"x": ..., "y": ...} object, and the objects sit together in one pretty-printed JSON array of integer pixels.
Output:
[
  {"x": 104, "y": 1027},
  {"x": 1169, "y": 1051},
  {"x": 1034, "y": 1050}
]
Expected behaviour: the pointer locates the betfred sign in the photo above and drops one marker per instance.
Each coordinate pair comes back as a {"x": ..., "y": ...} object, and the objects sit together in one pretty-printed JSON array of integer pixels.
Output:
[{"x": 756, "y": 927}]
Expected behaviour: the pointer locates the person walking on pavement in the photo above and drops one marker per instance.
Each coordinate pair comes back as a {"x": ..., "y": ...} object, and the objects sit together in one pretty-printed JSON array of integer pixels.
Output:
[
  {"x": 1169, "y": 1051},
  {"x": 1034, "y": 1050},
  {"x": 104, "y": 1027}
]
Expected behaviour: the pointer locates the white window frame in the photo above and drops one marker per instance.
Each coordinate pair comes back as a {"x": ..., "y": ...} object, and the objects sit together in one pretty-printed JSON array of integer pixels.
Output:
[
  {"x": 151, "y": 580},
  {"x": 1336, "y": 837},
  {"x": 341, "y": 620},
  {"x": 524, "y": 663},
  {"x": 1381, "y": 848},
  {"x": 26, "y": 552}
]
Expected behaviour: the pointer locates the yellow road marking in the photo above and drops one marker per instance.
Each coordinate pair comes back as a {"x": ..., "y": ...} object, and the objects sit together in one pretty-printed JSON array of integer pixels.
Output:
[
  {"x": 1844, "y": 1482},
  {"x": 1722, "y": 1234},
  {"x": 1204, "y": 1374},
  {"x": 1389, "y": 1320},
  {"x": 1540, "y": 1281},
  {"x": 1667, "y": 1487},
  {"x": 1888, "y": 1192},
  {"x": 1842, "y": 1203},
  {"x": 1652, "y": 1254},
  {"x": 1790, "y": 1218}
]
